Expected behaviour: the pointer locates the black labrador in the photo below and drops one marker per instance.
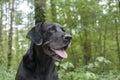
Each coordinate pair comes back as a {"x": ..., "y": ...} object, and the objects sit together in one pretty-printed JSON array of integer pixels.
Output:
[{"x": 48, "y": 43}]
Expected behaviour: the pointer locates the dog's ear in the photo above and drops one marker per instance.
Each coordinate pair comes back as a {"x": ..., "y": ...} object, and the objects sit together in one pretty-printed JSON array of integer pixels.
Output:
[{"x": 35, "y": 34}]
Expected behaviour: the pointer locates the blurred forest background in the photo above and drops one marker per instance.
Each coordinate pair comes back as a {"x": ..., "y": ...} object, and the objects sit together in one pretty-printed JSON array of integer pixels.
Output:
[{"x": 94, "y": 24}]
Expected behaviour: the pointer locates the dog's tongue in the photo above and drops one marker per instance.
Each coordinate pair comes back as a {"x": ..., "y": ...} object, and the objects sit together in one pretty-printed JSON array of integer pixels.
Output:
[{"x": 60, "y": 52}]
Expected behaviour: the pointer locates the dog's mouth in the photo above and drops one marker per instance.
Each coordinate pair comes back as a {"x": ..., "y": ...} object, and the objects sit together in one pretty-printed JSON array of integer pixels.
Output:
[{"x": 59, "y": 53}]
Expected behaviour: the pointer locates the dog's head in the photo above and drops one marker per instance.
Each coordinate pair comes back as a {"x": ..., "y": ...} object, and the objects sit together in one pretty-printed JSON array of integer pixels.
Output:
[{"x": 52, "y": 37}]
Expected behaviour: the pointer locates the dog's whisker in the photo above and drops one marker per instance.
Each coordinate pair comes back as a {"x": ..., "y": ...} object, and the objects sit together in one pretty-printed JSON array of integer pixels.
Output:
[{"x": 69, "y": 44}]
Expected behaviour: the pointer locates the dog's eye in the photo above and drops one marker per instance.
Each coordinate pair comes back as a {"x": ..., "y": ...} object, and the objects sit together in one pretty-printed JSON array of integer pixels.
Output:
[
  {"x": 51, "y": 30},
  {"x": 63, "y": 30}
]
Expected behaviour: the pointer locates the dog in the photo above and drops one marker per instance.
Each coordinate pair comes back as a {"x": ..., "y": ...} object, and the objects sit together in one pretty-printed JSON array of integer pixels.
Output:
[{"x": 48, "y": 44}]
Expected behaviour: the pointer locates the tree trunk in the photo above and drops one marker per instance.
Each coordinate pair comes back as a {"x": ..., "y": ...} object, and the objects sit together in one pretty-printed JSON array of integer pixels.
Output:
[
  {"x": 87, "y": 48},
  {"x": 104, "y": 42},
  {"x": 39, "y": 11},
  {"x": 100, "y": 42},
  {"x": 53, "y": 10},
  {"x": 1, "y": 37},
  {"x": 119, "y": 7},
  {"x": 10, "y": 37},
  {"x": 117, "y": 41}
]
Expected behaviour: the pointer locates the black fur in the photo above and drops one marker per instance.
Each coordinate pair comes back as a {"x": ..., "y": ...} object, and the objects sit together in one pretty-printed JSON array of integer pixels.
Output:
[{"x": 37, "y": 63}]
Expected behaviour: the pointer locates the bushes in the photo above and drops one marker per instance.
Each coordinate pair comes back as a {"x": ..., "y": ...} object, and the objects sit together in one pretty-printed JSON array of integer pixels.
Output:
[
  {"x": 67, "y": 72},
  {"x": 77, "y": 74},
  {"x": 81, "y": 74},
  {"x": 7, "y": 75}
]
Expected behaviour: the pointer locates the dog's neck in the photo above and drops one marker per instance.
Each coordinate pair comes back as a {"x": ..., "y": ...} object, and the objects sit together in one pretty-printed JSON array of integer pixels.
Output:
[{"x": 45, "y": 64}]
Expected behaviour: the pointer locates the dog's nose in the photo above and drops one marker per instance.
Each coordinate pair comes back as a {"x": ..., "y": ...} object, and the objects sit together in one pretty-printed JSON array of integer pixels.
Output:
[{"x": 67, "y": 37}]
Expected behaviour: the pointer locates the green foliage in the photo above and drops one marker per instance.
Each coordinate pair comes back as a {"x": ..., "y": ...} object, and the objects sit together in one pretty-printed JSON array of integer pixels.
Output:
[
  {"x": 80, "y": 73},
  {"x": 93, "y": 54},
  {"x": 99, "y": 65},
  {"x": 7, "y": 75}
]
